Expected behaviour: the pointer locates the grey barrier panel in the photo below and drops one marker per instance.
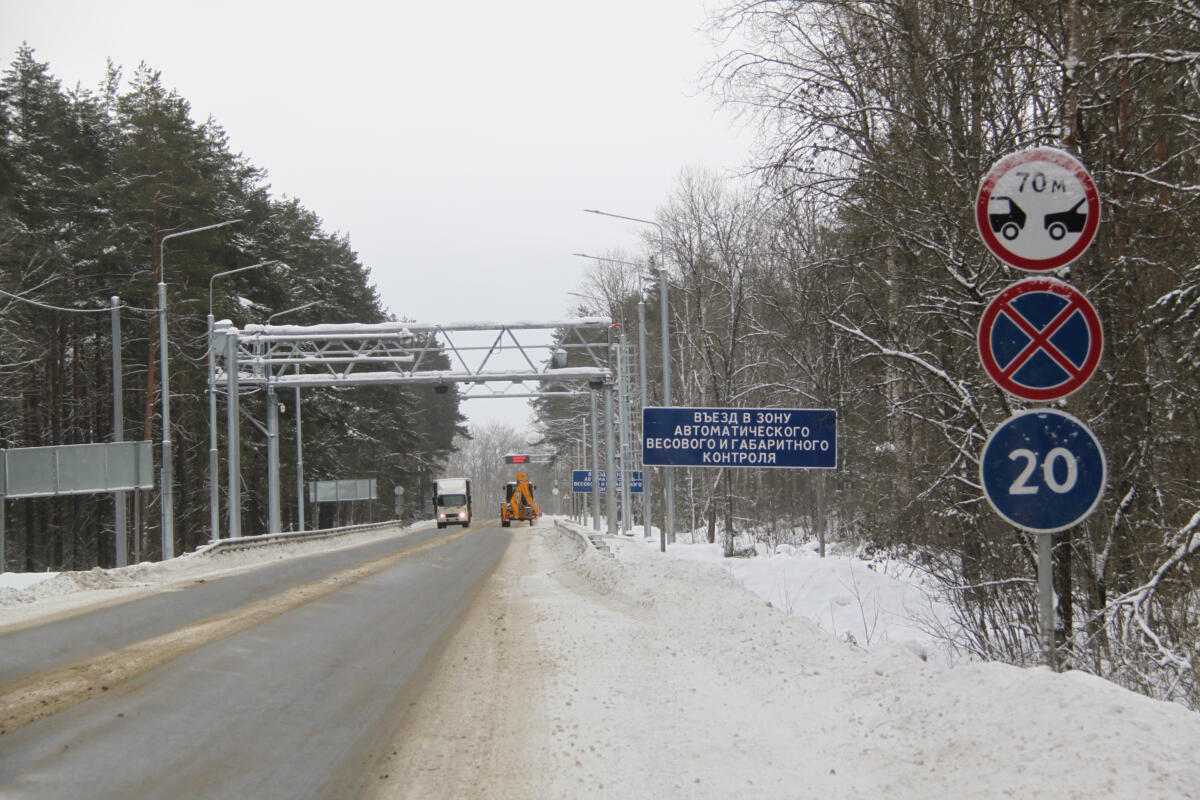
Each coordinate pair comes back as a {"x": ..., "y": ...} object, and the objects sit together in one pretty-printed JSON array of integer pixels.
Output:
[
  {"x": 82, "y": 470},
  {"x": 341, "y": 491},
  {"x": 76, "y": 469}
]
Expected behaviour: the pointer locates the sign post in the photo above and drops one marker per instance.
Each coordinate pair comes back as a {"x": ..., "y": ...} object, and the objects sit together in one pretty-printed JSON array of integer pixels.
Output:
[
  {"x": 1041, "y": 340},
  {"x": 1042, "y": 470}
]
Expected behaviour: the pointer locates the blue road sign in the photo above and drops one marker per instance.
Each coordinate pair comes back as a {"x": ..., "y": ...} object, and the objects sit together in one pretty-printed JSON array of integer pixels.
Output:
[
  {"x": 1043, "y": 470},
  {"x": 739, "y": 437},
  {"x": 635, "y": 484},
  {"x": 581, "y": 481}
]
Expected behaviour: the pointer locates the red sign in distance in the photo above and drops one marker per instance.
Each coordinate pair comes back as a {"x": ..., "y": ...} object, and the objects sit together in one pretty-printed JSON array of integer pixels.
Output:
[
  {"x": 1040, "y": 339},
  {"x": 1038, "y": 209}
]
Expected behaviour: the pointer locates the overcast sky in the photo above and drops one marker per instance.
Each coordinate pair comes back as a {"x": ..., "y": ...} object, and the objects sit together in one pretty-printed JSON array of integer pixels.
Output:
[{"x": 456, "y": 143}]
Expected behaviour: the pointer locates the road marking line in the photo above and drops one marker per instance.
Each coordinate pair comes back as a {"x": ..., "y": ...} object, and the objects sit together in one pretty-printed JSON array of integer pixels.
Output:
[{"x": 45, "y": 694}]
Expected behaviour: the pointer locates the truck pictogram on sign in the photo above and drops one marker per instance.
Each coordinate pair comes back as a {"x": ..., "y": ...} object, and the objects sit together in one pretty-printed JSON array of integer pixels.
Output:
[
  {"x": 1008, "y": 223},
  {"x": 1037, "y": 209}
]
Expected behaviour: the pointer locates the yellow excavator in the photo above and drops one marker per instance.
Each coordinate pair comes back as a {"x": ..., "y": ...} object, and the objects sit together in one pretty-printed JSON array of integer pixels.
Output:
[{"x": 518, "y": 501}]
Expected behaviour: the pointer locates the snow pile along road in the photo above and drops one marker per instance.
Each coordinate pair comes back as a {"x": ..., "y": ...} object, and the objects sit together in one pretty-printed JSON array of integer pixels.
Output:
[
  {"x": 29, "y": 597},
  {"x": 868, "y": 603},
  {"x": 646, "y": 676}
]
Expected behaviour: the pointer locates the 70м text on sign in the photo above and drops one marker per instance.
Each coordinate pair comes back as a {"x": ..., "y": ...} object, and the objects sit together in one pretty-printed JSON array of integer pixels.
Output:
[{"x": 739, "y": 437}]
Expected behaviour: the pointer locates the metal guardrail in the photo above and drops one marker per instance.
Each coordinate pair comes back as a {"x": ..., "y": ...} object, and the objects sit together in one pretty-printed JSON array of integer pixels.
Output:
[
  {"x": 251, "y": 542},
  {"x": 263, "y": 540},
  {"x": 595, "y": 540}
]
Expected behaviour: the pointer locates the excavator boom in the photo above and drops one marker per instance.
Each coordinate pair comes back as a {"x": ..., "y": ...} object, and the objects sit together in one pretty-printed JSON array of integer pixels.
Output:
[{"x": 518, "y": 501}]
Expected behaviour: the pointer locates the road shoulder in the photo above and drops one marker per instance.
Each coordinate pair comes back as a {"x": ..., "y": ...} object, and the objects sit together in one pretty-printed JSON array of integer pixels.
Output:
[{"x": 473, "y": 729}]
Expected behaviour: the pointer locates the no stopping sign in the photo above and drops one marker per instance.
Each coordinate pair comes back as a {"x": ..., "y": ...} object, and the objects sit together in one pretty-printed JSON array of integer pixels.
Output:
[{"x": 1040, "y": 339}]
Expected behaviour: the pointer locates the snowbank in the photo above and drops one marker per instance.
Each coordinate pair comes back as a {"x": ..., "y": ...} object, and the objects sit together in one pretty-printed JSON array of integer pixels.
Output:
[
  {"x": 860, "y": 602},
  {"x": 715, "y": 693}
]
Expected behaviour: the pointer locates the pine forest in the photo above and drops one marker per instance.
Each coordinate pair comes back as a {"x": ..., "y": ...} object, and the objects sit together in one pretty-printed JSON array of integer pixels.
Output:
[{"x": 91, "y": 183}]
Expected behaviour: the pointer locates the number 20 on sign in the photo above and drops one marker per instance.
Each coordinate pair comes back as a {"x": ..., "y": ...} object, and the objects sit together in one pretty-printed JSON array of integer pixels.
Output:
[{"x": 1043, "y": 470}]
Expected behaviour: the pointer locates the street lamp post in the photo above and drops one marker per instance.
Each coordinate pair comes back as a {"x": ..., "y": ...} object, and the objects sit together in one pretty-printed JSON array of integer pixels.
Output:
[
  {"x": 273, "y": 494},
  {"x": 214, "y": 510},
  {"x": 668, "y": 472},
  {"x": 118, "y": 431},
  {"x": 646, "y": 499},
  {"x": 168, "y": 515},
  {"x": 309, "y": 304}
]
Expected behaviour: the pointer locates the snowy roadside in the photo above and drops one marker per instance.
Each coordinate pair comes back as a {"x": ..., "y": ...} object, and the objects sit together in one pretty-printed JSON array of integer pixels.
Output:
[
  {"x": 27, "y": 597},
  {"x": 650, "y": 676},
  {"x": 714, "y": 693},
  {"x": 860, "y": 602}
]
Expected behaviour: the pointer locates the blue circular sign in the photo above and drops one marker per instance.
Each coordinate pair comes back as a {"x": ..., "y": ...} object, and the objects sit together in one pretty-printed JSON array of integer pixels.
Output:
[{"x": 1043, "y": 470}]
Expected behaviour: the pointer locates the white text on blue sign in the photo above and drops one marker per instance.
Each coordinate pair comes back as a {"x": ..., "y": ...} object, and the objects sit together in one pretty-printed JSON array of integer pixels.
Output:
[
  {"x": 581, "y": 481},
  {"x": 714, "y": 437}
]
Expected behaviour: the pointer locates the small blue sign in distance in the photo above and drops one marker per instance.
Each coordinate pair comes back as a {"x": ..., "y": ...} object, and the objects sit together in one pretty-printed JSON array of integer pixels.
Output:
[
  {"x": 581, "y": 481},
  {"x": 635, "y": 485},
  {"x": 1043, "y": 470},
  {"x": 739, "y": 437}
]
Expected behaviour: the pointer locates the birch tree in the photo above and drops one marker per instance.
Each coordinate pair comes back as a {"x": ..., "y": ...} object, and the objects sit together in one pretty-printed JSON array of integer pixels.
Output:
[{"x": 884, "y": 115}]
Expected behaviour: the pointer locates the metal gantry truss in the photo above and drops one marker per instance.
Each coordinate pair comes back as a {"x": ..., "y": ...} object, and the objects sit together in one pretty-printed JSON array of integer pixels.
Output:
[
  {"x": 487, "y": 360},
  {"x": 311, "y": 356}
]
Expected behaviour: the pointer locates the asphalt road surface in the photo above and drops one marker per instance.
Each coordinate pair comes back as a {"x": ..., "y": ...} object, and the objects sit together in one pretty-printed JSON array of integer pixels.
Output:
[{"x": 283, "y": 682}]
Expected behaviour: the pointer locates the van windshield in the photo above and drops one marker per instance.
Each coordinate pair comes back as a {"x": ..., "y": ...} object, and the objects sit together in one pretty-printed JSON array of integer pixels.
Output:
[{"x": 452, "y": 500}]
